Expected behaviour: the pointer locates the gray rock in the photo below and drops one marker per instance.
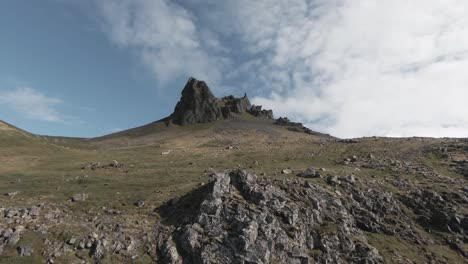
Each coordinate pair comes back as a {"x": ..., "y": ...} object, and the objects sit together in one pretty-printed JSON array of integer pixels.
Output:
[
  {"x": 140, "y": 203},
  {"x": 35, "y": 211},
  {"x": 7, "y": 233},
  {"x": 98, "y": 250},
  {"x": 257, "y": 111},
  {"x": 286, "y": 171},
  {"x": 332, "y": 180},
  {"x": 11, "y": 213},
  {"x": 72, "y": 241},
  {"x": 14, "y": 238},
  {"x": 198, "y": 105},
  {"x": 310, "y": 173},
  {"x": 245, "y": 219},
  {"x": 25, "y": 250},
  {"x": 79, "y": 197}
]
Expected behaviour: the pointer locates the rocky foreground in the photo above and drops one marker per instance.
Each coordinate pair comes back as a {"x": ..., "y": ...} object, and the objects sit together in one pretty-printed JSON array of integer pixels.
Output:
[{"x": 243, "y": 218}]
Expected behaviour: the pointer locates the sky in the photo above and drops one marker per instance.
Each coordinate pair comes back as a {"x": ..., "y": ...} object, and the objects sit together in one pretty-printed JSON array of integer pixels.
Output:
[{"x": 350, "y": 68}]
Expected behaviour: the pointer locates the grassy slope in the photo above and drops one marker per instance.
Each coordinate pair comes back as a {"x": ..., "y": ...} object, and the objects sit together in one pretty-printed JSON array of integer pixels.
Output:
[{"x": 49, "y": 169}]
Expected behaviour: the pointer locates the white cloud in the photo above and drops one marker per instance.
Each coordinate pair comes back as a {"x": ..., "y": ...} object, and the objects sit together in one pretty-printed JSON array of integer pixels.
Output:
[
  {"x": 165, "y": 36},
  {"x": 361, "y": 68},
  {"x": 346, "y": 67},
  {"x": 32, "y": 104}
]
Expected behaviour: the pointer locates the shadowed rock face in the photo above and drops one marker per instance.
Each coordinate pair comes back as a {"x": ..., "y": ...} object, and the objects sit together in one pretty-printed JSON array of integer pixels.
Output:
[{"x": 199, "y": 105}]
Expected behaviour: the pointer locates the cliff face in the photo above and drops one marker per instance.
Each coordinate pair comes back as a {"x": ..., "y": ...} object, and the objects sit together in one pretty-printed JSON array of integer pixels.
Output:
[{"x": 198, "y": 105}]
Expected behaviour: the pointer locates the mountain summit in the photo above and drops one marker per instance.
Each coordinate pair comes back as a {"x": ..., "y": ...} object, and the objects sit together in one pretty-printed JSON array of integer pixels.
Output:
[{"x": 198, "y": 105}]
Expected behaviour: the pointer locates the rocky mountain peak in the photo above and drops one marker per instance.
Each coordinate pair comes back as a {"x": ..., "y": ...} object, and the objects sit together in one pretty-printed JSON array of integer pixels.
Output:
[{"x": 198, "y": 105}]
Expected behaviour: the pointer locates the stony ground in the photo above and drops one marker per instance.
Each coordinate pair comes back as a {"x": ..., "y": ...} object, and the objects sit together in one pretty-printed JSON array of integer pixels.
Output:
[{"x": 150, "y": 195}]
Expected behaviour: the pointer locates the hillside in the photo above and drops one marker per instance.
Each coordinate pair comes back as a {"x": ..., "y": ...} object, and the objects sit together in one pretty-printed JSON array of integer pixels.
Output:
[{"x": 233, "y": 188}]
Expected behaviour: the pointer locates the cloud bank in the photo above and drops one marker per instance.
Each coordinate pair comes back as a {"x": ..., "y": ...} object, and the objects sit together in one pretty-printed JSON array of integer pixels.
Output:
[
  {"x": 32, "y": 104},
  {"x": 347, "y": 67}
]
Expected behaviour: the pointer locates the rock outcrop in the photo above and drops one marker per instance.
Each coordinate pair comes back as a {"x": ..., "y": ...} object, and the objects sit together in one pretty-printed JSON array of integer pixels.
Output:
[
  {"x": 199, "y": 105},
  {"x": 295, "y": 126},
  {"x": 242, "y": 218}
]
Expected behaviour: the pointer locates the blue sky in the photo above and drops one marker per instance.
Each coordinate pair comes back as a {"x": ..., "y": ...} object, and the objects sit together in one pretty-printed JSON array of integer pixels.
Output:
[
  {"x": 58, "y": 50},
  {"x": 350, "y": 68}
]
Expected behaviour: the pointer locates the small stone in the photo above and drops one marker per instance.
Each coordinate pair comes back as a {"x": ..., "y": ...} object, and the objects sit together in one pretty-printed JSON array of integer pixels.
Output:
[
  {"x": 310, "y": 173},
  {"x": 35, "y": 211},
  {"x": 140, "y": 203},
  {"x": 88, "y": 244},
  {"x": 79, "y": 197},
  {"x": 286, "y": 171},
  {"x": 81, "y": 245},
  {"x": 166, "y": 152},
  {"x": 7, "y": 233},
  {"x": 11, "y": 194},
  {"x": 11, "y": 212},
  {"x": 332, "y": 180},
  {"x": 72, "y": 241}
]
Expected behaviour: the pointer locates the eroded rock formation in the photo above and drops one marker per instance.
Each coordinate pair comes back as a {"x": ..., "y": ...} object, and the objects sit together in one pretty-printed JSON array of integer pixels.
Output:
[
  {"x": 199, "y": 105},
  {"x": 246, "y": 219}
]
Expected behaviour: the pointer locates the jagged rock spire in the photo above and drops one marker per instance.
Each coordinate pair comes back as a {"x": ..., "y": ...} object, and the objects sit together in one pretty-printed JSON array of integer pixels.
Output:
[{"x": 198, "y": 105}]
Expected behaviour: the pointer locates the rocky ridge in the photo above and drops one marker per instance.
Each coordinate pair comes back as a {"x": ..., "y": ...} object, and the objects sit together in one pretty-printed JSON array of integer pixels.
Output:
[{"x": 199, "y": 105}]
